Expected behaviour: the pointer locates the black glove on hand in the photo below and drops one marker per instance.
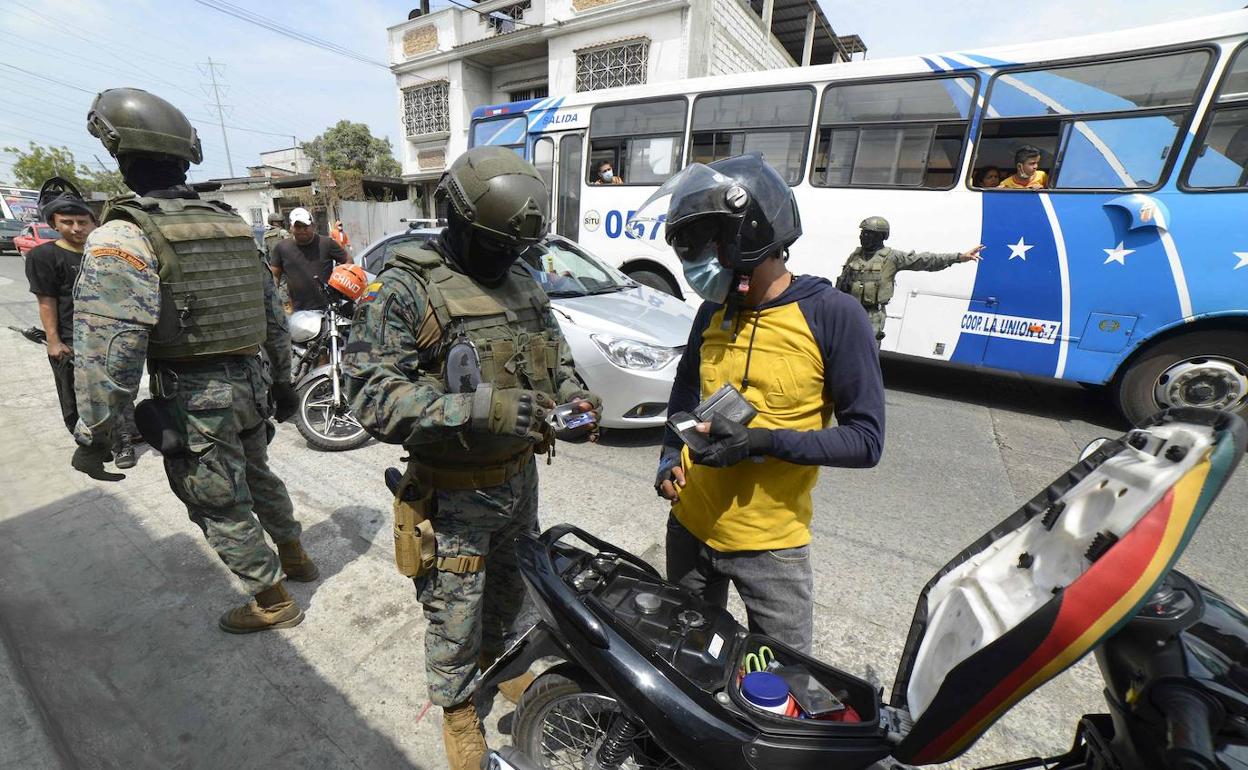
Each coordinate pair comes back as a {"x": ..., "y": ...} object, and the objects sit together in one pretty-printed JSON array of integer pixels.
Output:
[
  {"x": 90, "y": 460},
  {"x": 512, "y": 412},
  {"x": 732, "y": 442},
  {"x": 285, "y": 401},
  {"x": 668, "y": 462}
]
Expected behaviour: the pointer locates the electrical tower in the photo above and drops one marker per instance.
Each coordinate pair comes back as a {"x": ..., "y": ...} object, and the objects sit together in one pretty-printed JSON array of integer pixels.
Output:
[{"x": 210, "y": 70}]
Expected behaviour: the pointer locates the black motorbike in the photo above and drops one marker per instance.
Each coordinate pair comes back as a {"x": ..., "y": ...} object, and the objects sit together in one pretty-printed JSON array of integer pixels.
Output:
[{"x": 651, "y": 677}]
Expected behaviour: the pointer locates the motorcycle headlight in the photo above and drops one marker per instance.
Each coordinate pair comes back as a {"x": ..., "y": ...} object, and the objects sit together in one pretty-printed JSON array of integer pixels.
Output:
[{"x": 631, "y": 354}]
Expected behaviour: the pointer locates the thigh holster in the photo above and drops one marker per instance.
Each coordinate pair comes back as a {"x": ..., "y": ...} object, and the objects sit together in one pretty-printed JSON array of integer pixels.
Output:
[{"x": 415, "y": 543}]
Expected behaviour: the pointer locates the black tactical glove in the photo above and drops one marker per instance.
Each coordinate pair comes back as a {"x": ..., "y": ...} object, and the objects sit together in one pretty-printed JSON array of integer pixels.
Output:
[
  {"x": 731, "y": 442},
  {"x": 512, "y": 412},
  {"x": 90, "y": 460},
  {"x": 669, "y": 461},
  {"x": 285, "y": 401}
]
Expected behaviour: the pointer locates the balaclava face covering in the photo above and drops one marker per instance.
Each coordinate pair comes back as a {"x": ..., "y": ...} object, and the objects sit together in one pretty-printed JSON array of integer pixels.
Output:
[
  {"x": 145, "y": 174},
  {"x": 484, "y": 259},
  {"x": 870, "y": 240}
]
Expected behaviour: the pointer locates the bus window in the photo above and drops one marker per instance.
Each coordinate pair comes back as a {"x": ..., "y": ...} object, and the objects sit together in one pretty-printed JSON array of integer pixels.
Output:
[
  {"x": 906, "y": 133},
  {"x": 641, "y": 140},
  {"x": 503, "y": 132},
  {"x": 773, "y": 123},
  {"x": 544, "y": 162},
  {"x": 1222, "y": 160},
  {"x": 1103, "y": 126}
]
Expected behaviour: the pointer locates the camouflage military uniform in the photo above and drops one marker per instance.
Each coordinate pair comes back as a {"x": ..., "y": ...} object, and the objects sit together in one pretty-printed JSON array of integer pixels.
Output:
[
  {"x": 871, "y": 280},
  {"x": 484, "y": 487},
  {"x": 218, "y": 402},
  {"x": 274, "y": 236}
]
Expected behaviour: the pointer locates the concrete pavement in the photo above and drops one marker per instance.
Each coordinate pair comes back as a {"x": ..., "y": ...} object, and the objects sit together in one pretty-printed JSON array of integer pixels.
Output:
[{"x": 110, "y": 655}]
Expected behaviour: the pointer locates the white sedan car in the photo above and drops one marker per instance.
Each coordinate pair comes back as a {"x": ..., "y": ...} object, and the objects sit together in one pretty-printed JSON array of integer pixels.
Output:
[{"x": 625, "y": 338}]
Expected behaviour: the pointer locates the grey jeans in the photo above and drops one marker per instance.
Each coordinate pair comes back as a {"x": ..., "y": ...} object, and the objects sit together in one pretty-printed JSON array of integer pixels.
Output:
[{"x": 776, "y": 586}]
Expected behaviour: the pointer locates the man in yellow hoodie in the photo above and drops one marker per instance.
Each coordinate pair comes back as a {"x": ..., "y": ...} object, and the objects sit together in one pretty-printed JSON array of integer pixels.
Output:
[{"x": 801, "y": 352}]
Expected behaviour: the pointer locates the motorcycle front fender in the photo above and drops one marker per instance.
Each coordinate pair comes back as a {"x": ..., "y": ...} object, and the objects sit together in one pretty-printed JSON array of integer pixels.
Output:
[{"x": 320, "y": 371}]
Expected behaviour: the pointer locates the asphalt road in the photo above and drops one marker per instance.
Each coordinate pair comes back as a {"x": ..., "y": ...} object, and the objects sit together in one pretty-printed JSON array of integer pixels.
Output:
[{"x": 109, "y": 596}]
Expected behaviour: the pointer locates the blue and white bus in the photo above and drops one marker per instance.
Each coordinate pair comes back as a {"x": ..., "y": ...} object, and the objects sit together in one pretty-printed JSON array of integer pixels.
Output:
[{"x": 1129, "y": 269}]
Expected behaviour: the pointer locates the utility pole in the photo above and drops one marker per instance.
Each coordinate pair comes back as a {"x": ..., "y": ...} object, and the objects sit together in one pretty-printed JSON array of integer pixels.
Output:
[{"x": 216, "y": 95}]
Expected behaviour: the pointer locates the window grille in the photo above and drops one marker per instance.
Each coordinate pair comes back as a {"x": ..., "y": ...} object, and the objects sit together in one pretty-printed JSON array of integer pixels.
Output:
[
  {"x": 507, "y": 17},
  {"x": 425, "y": 109},
  {"x": 524, "y": 94},
  {"x": 620, "y": 65}
]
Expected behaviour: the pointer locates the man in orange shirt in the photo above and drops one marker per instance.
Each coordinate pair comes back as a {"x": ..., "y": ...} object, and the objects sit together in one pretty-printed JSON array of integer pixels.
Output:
[
  {"x": 340, "y": 235},
  {"x": 1027, "y": 174}
]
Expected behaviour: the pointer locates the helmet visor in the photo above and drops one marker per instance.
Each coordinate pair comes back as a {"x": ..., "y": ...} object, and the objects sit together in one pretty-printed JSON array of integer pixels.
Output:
[{"x": 695, "y": 192}]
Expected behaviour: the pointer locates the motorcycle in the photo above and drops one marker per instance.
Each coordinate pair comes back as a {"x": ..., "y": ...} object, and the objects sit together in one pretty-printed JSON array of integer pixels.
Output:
[
  {"x": 650, "y": 676},
  {"x": 317, "y": 339}
]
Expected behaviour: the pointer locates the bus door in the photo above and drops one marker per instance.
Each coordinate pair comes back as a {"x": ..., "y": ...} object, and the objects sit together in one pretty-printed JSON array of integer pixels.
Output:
[{"x": 559, "y": 158}]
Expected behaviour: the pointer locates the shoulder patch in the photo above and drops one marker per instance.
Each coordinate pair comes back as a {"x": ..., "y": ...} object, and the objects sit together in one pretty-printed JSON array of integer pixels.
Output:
[
  {"x": 370, "y": 291},
  {"x": 124, "y": 256}
]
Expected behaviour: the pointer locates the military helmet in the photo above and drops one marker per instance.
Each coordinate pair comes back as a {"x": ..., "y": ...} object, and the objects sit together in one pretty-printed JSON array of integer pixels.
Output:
[
  {"x": 875, "y": 225},
  {"x": 497, "y": 192},
  {"x": 130, "y": 120},
  {"x": 276, "y": 219}
]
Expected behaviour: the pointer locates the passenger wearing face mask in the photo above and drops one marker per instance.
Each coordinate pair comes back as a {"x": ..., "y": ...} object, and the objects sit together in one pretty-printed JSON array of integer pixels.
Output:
[
  {"x": 604, "y": 173},
  {"x": 455, "y": 355},
  {"x": 801, "y": 353}
]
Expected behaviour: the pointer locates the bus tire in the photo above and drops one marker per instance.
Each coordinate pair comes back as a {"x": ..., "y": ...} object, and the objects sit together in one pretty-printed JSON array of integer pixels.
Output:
[
  {"x": 1207, "y": 369},
  {"x": 655, "y": 281}
]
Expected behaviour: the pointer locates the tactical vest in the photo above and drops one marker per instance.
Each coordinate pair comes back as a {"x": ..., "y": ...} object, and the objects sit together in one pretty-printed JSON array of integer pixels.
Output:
[
  {"x": 506, "y": 325},
  {"x": 211, "y": 277},
  {"x": 865, "y": 278}
]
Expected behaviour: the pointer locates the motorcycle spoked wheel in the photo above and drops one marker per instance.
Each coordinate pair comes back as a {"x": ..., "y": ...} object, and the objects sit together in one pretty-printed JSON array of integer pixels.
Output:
[
  {"x": 321, "y": 425},
  {"x": 561, "y": 721}
]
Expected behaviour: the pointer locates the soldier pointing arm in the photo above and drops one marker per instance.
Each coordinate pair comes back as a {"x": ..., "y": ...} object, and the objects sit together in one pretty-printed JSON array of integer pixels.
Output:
[{"x": 870, "y": 275}]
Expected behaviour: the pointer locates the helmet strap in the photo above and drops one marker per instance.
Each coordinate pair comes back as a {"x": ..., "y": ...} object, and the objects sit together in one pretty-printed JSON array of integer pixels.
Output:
[{"x": 736, "y": 298}]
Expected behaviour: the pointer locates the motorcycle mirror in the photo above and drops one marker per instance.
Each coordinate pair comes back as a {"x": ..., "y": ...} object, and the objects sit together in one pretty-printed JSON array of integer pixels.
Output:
[{"x": 1092, "y": 446}]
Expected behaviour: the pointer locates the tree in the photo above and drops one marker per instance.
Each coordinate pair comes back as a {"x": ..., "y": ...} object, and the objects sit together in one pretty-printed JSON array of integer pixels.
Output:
[
  {"x": 38, "y": 164},
  {"x": 348, "y": 146}
]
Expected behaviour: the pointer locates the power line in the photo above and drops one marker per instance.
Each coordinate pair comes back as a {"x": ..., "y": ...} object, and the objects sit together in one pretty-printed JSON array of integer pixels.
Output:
[
  {"x": 251, "y": 18},
  {"x": 45, "y": 77}
]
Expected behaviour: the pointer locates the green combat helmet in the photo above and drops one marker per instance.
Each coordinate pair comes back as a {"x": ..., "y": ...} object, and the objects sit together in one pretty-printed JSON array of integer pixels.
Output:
[
  {"x": 130, "y": 120},
  {"x": 876, "y": 225},
  {"x": 498, "y": 194}
]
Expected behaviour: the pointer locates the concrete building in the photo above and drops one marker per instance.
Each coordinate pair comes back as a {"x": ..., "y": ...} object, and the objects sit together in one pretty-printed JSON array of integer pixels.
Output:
[
  {"x": 448, "y": 62},
  {"x": 284, "y": 162}
]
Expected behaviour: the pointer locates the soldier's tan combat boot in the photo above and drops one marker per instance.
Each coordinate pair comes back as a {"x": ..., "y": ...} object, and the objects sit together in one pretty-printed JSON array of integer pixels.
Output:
[
  {"x": 462, "y": 736},
  {"x": 296, "y": 563},
  {"x": 511, "y": 689},
  {"x": 271, "y": 608}
]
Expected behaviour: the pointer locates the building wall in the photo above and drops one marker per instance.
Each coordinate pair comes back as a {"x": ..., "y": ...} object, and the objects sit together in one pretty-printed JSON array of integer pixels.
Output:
[
  {"x": 738, "y": 44},
  {"x": 664, "y": 31}
]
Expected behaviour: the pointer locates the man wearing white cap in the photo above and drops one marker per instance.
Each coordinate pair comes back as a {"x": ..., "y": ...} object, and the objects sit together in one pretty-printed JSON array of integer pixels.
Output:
[{"x": 306, "y": 260}]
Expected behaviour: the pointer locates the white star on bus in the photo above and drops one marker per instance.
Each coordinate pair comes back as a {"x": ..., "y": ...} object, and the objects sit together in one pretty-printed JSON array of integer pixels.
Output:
[
  {"x": 1243, "y": 259},
  {"x": 1020, "y": 249},
  {"x": 1117, "y": 254}
]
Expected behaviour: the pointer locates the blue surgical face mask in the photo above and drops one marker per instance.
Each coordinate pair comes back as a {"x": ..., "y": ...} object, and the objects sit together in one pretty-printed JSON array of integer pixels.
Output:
[
  {"x": 607, "y": 175},
  {"x": 707, "y": 277}
]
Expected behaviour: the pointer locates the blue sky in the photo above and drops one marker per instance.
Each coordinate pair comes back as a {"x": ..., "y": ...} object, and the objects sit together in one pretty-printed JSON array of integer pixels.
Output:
[{"x": 286, "y": 88}]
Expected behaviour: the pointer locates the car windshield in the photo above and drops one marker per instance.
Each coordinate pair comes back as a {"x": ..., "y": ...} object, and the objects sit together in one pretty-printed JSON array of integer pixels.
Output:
[
  {"x": 49, "y": 233},
  {"x": 564, "y": 270}
]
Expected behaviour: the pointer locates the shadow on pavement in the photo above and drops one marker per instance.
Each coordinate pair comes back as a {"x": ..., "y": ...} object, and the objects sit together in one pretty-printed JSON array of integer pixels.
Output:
[
  {"x": 1057, "y": 399},
  {"x": 354, "y": 525},
  {"x": 116, "y": 635}
]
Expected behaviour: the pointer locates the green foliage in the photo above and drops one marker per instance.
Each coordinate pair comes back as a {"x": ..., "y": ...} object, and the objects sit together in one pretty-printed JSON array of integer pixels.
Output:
[
  {"x": 38, "y": 164},
  {"x": 348, "y": 146}
]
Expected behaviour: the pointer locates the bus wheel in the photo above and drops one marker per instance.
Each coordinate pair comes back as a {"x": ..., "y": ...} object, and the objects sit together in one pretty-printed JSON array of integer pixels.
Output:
[
  {"x": 1205, "y": 369},
  {"x": 654, "y": 281}
]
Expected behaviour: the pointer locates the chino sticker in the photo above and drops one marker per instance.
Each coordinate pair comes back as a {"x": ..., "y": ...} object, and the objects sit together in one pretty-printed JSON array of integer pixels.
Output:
[
  {"x": 124, "y": 256},
  {"x": 1011, "y": 327}
]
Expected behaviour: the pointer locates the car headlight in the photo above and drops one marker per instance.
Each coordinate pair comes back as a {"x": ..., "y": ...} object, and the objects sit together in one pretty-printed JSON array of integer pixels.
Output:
[{"x": 631, "y": 354}]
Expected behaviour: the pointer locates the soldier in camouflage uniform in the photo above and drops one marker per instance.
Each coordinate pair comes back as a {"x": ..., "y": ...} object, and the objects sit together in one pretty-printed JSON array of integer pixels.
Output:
[
  {"x": 871, "y": 272},
  {"x": 178, "y": 281},
  {"x": 455, "y": 355},
  {"x": 274, "y": 235}
]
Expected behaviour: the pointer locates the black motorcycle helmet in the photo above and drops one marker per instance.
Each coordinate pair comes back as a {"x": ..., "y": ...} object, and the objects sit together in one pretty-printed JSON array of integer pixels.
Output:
[
  {"x": 740, "y": 204},
  {"x": 59, "y": 196}
]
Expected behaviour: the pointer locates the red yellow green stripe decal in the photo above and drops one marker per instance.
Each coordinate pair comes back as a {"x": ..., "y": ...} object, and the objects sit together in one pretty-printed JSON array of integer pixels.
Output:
[{"x": 1091, "y": 607}]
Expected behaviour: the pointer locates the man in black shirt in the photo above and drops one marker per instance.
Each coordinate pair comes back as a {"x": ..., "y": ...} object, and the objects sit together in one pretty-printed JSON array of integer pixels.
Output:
[
  {"x": 51, "y": 269},
  {"x": 306, "y": 260}
]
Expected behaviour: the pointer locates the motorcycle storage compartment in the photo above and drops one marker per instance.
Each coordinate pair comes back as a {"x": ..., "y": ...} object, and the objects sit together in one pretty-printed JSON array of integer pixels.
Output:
[{"x": 1044, "y": 587}]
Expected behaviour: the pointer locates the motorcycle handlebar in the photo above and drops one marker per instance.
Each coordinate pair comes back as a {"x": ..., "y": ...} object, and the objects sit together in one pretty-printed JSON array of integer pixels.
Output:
[{"x": 1189, "y": 728}]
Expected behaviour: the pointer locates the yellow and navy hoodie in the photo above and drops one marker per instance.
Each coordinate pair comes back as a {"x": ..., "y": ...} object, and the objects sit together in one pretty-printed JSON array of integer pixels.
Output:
[{"x": 811, "y": 356}]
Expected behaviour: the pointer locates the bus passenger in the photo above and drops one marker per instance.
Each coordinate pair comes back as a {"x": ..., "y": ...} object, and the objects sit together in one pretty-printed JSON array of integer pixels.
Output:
[
  {"x": 603, "y": 174},
  {"x": 1027, "y": 174},
  {"x": 871, "y": 272},
  {"x": 987, "y": 177}
]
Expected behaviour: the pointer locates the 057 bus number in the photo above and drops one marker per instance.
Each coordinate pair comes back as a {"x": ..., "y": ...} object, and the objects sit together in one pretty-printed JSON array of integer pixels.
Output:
[{"x": 618, "y": 224}]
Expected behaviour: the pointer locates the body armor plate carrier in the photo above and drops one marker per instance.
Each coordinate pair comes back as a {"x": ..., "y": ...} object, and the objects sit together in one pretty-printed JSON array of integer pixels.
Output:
[{"x": 868, "y": 280}]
